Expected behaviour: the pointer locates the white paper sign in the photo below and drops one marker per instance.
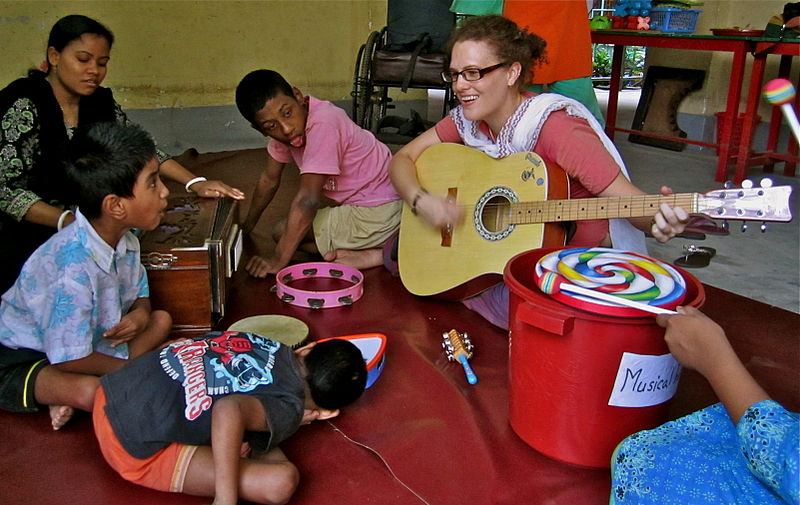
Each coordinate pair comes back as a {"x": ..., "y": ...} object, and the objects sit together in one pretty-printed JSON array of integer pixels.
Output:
[{"x": 644, "y": 380}]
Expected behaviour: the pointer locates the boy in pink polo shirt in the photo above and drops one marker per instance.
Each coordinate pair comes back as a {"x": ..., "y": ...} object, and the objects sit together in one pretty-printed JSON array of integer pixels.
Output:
[{"x": 346, "y": 207}]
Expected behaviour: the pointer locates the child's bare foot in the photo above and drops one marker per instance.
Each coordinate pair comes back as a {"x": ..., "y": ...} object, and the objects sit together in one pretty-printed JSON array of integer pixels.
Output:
[
  {"x": 361, "y": 259},
  {"x": 60, "y": 415}
]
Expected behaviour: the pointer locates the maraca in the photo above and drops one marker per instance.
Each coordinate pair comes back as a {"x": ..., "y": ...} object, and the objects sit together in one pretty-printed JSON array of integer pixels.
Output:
[
  {"x": 551, "y": 283},
  {"x": 458, "y": 347},
  {"x": 781, "y": 92}
]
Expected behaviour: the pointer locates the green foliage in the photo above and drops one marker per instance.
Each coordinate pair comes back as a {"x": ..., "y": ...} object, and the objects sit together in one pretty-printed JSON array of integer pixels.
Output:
[
  {"x": 601, "y": 60},
  {"x": 632, "y": 64},
  {"x": 634, "y": 60}
]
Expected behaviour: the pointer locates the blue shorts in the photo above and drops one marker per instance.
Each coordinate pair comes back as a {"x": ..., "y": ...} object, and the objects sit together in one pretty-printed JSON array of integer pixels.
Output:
[{"x": 18, "y": 371}]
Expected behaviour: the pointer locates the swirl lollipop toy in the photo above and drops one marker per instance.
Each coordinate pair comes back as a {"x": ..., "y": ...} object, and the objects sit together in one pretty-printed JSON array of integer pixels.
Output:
[
  {"x": 609, "y": 281},
  {"x": 781, "y": 92}
]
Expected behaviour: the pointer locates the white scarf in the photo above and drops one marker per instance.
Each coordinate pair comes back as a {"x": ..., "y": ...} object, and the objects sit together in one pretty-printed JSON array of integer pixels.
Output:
[{"x": 520, "y": 134}]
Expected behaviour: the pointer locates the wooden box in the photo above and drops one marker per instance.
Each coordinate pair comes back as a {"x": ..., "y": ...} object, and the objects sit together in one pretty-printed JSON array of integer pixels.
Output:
[{"x": 190, "y": 258}]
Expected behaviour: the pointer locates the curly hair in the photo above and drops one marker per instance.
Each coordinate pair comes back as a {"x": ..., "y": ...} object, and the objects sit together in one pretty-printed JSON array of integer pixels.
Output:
[{"x": 510, "y": 42}]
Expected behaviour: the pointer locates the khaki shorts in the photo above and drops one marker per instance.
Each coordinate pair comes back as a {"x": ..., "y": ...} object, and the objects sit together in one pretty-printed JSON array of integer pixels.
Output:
[
  {"x": 351, "y": 227},
  {"x": 165, "y": 470}
]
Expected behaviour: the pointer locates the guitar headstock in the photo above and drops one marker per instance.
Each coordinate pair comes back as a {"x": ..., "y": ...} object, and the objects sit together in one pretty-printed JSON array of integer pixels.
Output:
[
  {"x": 456, "y": 344},
  {"x": 747, "y": 203}
]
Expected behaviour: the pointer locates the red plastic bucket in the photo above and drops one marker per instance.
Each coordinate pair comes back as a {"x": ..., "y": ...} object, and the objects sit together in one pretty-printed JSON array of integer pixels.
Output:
[{"x": 564, "y": 364}]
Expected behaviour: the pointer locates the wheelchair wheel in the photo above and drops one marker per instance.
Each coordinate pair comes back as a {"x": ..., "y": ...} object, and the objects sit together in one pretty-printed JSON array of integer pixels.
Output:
[
  {"x": 357, "y": 84},
  {"x": 363, "y": 88}
]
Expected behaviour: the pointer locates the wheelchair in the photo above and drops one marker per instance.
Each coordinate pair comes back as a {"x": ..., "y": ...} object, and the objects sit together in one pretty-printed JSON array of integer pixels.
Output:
[{"x": 377, "y": 69}]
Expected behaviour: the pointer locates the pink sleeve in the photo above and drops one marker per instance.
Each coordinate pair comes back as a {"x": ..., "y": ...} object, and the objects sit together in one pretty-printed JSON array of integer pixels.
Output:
[
  {"x": 447, "y": 131},
  {"x": 591, "y": 165},
  {"x": 323, "y": 150},
  {"x": 279, "y": 152}
]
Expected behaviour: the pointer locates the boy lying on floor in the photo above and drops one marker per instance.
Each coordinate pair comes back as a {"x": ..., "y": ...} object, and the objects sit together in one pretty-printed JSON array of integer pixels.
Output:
[{"x": 208, "y": 395}]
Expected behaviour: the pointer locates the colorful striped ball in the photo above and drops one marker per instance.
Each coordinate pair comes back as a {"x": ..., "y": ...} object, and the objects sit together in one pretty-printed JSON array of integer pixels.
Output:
[{"x": 779, "y": 91}]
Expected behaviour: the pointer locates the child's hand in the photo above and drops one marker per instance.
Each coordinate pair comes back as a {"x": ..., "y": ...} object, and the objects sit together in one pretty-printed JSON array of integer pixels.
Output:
[
  {"x": 696, "y": 341},
  {"x": 131, "y": 324},
  {"x": 261, "y": 267}
]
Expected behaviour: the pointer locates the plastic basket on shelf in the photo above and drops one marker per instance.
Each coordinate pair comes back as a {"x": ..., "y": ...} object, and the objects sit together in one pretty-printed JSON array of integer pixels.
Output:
[{"x": 670, "y": 19}]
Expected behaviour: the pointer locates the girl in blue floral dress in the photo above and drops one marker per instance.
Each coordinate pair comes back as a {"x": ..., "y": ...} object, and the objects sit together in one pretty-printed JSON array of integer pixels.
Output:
[{"x": 744, "y": 450}]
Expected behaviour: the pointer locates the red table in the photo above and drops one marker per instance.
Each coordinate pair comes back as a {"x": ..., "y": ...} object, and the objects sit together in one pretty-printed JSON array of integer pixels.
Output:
[
  {"x": 739, "y": 47},
  {"x": 744, "y": 157}
]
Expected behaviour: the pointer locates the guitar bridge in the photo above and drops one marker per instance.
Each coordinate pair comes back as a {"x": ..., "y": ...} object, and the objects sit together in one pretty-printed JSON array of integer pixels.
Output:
[{"x": 447, "y": 231}]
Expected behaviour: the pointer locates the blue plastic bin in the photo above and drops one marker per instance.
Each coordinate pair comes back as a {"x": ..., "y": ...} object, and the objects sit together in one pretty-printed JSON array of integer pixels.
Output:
[{"x": 670, "y": 19}]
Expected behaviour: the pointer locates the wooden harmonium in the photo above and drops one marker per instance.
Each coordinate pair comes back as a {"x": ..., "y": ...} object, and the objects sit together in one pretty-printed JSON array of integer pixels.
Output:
[{"x": 190, "y": 259}]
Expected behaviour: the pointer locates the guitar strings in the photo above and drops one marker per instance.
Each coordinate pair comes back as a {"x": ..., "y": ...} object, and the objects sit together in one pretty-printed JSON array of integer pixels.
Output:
[
  {"x": 621, "y": 207},
  {"x": 375, "y": 452},
  {"x": 676, "y": 200}
]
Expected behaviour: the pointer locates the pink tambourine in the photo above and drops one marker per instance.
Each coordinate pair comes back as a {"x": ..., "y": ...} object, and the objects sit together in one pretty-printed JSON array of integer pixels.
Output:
[{"x": 315, "y": 299}]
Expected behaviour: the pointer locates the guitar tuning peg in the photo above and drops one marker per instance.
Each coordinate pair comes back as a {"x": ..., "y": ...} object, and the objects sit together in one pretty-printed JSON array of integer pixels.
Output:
[
  {"x": 766, "y": 183},
  {"x": 763, "y": 227},
  {"x": 744, "y": 226},
  {"x": 725, "y": 225},
  {"x": 727, "y": 185},
  {"x": 747, "y": 184}
]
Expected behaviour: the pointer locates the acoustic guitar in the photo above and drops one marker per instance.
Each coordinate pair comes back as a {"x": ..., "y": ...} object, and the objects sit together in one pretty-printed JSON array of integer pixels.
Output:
[{"x": 514, "y": 204}]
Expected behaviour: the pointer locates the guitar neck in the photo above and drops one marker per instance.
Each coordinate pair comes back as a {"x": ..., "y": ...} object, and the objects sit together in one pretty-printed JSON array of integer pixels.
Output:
[
  {"x": 502, "y": 195},
  {"x": 581, "y": 209}
]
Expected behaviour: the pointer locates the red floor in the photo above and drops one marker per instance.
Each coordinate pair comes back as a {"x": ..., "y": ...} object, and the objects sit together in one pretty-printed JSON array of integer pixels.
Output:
[{"x": 449, "y": 442}]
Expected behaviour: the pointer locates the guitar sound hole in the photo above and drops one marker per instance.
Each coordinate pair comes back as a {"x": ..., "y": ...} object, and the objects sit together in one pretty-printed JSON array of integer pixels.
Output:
[{"x": 495, "y": 214}]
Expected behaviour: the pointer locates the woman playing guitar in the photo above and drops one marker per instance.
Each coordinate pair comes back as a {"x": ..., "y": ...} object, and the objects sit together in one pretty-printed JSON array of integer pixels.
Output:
[{"x": 490, "y": 61}]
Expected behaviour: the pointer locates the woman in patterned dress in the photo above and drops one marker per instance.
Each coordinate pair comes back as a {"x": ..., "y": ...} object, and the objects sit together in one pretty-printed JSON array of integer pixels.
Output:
[{"x": 38, "y": 114}]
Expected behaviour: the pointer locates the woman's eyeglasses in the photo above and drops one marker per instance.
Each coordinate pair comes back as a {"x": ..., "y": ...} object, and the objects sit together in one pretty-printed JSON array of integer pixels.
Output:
[{"x": 470, "y": 74}]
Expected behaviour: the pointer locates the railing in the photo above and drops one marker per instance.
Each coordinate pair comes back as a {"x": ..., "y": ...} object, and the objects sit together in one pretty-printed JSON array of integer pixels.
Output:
[{"x": 602, "y": 8}]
